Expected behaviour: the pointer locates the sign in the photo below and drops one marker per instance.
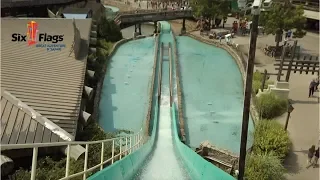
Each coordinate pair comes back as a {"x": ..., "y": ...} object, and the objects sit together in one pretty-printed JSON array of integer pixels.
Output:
[{"x": 52, "y": 42}]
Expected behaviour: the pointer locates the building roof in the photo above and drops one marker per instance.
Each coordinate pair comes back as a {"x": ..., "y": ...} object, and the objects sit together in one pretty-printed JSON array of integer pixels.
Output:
[
  {"x": 75, "y": 16},
  {"x": 73, "y": 10},
  {"x": 21, "y": 124},
  {"x": 51, "y": 83},
  {"x": 311, "y": 14}
]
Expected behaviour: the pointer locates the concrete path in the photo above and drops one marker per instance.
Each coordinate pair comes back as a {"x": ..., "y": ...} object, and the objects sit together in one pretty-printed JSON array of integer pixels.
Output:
[{"x": 304, "y": 122}]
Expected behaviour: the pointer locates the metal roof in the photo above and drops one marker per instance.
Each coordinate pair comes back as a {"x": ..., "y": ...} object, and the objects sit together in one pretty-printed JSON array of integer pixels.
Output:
[
  {"x": 311, "y": 14},
  {"x": 75, "y": 16},
  {"x": 21, "y": 124},
  {"x": 73, "y": 10},
  {"x": 49, "y": 82}
]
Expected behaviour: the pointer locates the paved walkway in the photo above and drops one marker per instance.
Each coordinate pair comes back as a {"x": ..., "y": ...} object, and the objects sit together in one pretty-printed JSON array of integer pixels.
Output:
[{"x": 304, "y": 122}]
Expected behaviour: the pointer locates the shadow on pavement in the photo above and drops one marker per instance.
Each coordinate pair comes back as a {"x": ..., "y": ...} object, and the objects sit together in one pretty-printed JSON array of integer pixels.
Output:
[
  {"x": 291, "y": 162},
  {"x": 311, "y": 101}
]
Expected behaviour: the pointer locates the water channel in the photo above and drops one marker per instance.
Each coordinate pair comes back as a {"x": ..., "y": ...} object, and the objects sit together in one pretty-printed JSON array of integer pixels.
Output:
[{"x": 211, "y": 85}]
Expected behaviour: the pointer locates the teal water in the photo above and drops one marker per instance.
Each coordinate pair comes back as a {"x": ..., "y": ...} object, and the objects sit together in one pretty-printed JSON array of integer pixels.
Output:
[
  {"x": 124, "y": 96},
  {"x": 213, "y": 95}
]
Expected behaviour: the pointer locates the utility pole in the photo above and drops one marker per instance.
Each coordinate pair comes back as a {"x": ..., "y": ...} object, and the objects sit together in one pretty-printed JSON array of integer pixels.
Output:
[{"x": 248, "y": 87}]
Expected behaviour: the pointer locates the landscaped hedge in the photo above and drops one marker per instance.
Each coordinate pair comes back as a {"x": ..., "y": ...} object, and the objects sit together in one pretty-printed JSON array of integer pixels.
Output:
[
  {"x": 270, "y": 137},
  {"x": 270, "y": 106},
  {"x": 264, "y": 167}
]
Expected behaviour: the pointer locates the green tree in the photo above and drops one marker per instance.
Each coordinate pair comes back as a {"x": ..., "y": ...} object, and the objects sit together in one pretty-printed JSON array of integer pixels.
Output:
[
  {"x": 109, "y": 31},
  {"x": 283, "y": 17},
  {"x": 211, "y": 9}
]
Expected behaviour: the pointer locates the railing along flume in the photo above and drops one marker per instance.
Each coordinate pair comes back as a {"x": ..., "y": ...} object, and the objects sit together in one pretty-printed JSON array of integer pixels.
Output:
[{"x": 129, "y": 147}]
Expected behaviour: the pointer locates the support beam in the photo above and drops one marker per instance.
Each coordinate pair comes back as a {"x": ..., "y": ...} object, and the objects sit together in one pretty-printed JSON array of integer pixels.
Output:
[
  {"x": 75, "y": 151},
  {"x": 85, "y": 117},
  {"x": 93, "y": 41},
  {"x": 248, "y": 89},
  {"x": 155, "y": 27},
  {"x": 88, "y": 92},
  {"x": 183, "y": 29},
  {"x": 139, "y": 26},
  {"x": 6, "y": 165},
  {"x": 91, "y": 74},
  {"x": 93, "y": 50},
  {"x": 93, "y": 34}
]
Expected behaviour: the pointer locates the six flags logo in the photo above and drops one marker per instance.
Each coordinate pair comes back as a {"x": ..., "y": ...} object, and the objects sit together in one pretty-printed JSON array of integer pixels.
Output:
[
  {"x": 32, "y": 31},
  {"x": 33, "y": 35}
]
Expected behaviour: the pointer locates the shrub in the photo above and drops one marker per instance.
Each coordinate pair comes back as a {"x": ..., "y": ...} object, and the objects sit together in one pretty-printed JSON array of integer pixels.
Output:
[
  {"x": 269, "y": 136},
  {"x": 105, "y": 44},
  {"x": 257, "y": 82},
  {"x": 270, "y": 106},
  {"x": 264, "y": 167},
  {"x": 108, "y": 30}
]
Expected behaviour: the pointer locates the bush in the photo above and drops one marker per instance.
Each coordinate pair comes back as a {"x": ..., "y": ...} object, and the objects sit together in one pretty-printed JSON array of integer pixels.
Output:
[
  {"x": 105, "y": 44},
  {"x": 108, "y": 30},
  {"x": 269, "y": 136},
  {"x": 270, "y": 106},
  {"x": 264, "y": 167},
  {"x": 257, "y": 82}
]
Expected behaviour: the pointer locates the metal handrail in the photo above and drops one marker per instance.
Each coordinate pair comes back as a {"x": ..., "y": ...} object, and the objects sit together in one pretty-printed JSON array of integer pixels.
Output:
[{"x": 130, "y": 147}]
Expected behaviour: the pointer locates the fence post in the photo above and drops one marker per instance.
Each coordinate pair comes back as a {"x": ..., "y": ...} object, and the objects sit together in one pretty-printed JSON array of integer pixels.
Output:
[
  {"x": 85, "y": 162},
  {"x": 281, "y": 63},
  {"x": 102, "y": 156},
  {"x": 120, "y": 147},
  {"x": 126, "y": 145},
  {"x": 34, "y": 163},
  {"x": 68, "y": 161},
  {"x": 130, "y": 144},
  {"x": 264, "y": 79},
  {"x": 112, "y": 152},
  {"x": 291, "y": 60}
]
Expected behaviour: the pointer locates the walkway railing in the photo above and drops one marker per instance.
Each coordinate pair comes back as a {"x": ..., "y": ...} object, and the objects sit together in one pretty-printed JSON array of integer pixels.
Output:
[{"x": 126, "y": 144}]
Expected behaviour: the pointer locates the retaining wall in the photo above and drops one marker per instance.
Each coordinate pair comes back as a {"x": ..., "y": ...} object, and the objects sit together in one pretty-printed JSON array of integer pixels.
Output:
[
  {"x": 95, "y": 114},
  {"x": 148, "y": 117},
  {"x": 240, "y": 62},
  {"x": 179, "y": 91}
]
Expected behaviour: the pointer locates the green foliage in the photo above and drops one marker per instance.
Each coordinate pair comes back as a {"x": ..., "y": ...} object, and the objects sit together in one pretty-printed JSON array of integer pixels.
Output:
[
  {"x": 211, "y": 9},
  {"x": 108, "y": 30},
  {"x": 102, "y": 43},
  {"x": 264, "y": 167},
  {"x": 257, "y": 82},
  {"x": 270, "y": 106},
  {"x": 270, "y": 137},
  {"x": 283, "y": 17}
]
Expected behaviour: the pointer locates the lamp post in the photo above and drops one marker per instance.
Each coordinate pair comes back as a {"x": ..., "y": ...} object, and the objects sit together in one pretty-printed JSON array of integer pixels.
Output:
[
  {"x": 248, "y": 87},
  {"x": 289, "y": 110}
]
